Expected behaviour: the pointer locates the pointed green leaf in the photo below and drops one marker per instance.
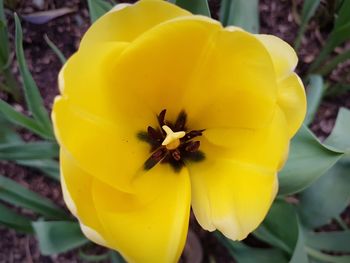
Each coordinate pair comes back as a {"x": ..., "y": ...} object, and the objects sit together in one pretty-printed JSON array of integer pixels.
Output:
[
  {"x": 316, "y": 207},
  {"x": 339, "y": 34},
  {"x": 300, "y": 254},
  {"x": 320, "y": 257},
  {"x": 116, "y": 257},
  {"x": 7, "y": 132},
  {"x": 28, "y": 151},
  {"x": 15, "y": 221},
  {"x": 16, "y": 194},
  {"x": 93, "y": 258},
  {"x": 47, "y": 166},
  {"x": 241, "y": 13},
  {"x": 315, "y": 93},
  {"x": 55, "y": 49},
  {"x": 309, "y": 9},
  {"x": 274, "y": 231},
  {"x": 334, "y": 62},
  {"x": 58, "y": 236},
  {"x": 4, "y": 40},
  {"x": 31, "y": 91},
  {"x": 98, "y": 8},
  {"x": 198, "y": 7},
  {"x": 308, "y": 160},
  {"x": 20, "y": 119},
  {"x": 335, "y": 241},
  {"x": 340, "y": 136},
  {"x": 246, "y": 254}
]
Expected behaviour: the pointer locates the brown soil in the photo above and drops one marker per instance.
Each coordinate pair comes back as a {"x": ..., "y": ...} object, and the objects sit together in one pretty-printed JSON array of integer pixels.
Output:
[{"x": 276, "y": 18}]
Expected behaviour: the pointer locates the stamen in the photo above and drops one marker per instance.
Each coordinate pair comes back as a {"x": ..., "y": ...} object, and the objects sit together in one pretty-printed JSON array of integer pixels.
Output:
[
  {"x": 181, "y": 121},
  {"x": 172, "y": 139},
  {"x": 155, "y": 158},
  {"x": 171, "y": 143}
]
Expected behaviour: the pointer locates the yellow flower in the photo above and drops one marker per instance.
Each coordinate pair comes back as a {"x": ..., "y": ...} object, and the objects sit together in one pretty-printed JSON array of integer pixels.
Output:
[{"x": 161, "y": 110}]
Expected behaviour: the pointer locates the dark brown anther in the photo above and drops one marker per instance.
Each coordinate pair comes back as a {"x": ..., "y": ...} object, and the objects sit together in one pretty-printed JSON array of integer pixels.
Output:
[
  {"x": 187, "y": 149},
  {"x": 192, "y": 146},
  {"x": 159, "y": 154},
  {"x": 193, "y": 134},
  {"x": 161, "y": 118},
  {"x": 176, "y": 155},
  {"x": 155, "y": 158},
  {"x": 154, "y": 134},
  {"x": 180, "y": 121}
]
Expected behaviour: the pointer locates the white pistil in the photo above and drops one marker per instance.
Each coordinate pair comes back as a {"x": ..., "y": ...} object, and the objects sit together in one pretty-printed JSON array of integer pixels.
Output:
[{"x": 172, "y": 139}]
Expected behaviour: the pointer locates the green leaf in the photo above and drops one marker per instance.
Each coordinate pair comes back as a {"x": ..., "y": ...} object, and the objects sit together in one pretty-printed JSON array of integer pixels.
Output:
[
  {"x": 246, "y": 254},
  {"x": 340, "y": 136},
  {"x": 308, "y": 160},
  {"x": 20, "y": 119},
  {"x": 241, "y": 13},
  {"x": 317, "y": 207},
  {"x": 58, "y": 236},
  {"x": 13, "y": 220},
  {"x": 315, "y": 93},
  {"x": 56, "y": 50},
  {"x": 116, "y": 257},
  {"x": 98, "y": 8},
  {"x": 4, "y": 40},
  {"x": 31, "y": 91},
  {"x": 47, "y": 166},
  {"x": 198, "y": 7},
  {"x": 337, "y": 89},
  {"x": 309, "y": 9},
  {"x": 10, "y": 84},
  {"x": 92, "y": 258},
  {"x": 15, "y": 194},
  {"x": 7, "y": 132},
  {"x": 28, "y": 151},
  {"x": 339, "y": 34},
  {"x": 274, "y": 231},
  {"x": 332, "y": 64},
  {"x": 299, "y": 254},
  {"x": 323, "y": 257},
  {"x": 336, "y": 241}
]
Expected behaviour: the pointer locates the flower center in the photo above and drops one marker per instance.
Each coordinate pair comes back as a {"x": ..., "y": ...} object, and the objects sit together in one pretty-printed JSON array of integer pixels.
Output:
[
  {"x": 171, "y": 142},
  {"x": 172, "y": 139}
]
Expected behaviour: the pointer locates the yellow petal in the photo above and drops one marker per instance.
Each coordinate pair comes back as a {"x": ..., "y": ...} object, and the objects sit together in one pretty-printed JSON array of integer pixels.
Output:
[
  {"x": 230, "y": 196},
  {"x": 235, "y": 85},
  {"x": 77, "y": 186},
  {"x": 163, "y": 61},
  {"x": 67, "y": 197},
  {"x": 282, "y": 54},
  {"x": 128, "y": 23},
  {"x": 196, "y": 68},
  {"x": 147, "y": 231},
  {"x": 112, "y": 153},
  {"x": 265, "y": 147},
  {"x": 88, "y": 81},
  {"x": 93, "y": 235},
  {"x": 292, "y": 101}
]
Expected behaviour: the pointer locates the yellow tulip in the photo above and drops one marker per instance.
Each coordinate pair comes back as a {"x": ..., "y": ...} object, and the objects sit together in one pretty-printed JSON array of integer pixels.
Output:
[{"x": 160, "y": 111}]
